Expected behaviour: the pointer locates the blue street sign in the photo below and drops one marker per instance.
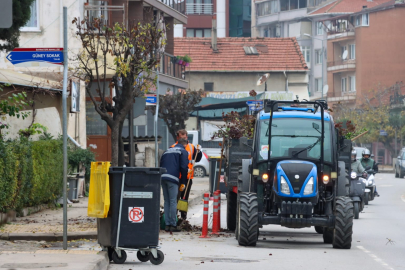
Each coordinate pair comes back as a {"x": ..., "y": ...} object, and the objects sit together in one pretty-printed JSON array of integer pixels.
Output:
[
  {"x": 39, "y": 57},
  {"x": 255, "y": 105},
  {"x": 151, "y": 100},
  {"x": 383, "y": 133}
]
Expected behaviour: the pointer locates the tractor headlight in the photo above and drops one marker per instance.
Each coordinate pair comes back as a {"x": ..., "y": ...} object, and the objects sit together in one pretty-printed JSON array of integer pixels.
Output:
[
  {"x": 284, "y": 188},
  {"x": 353, "y": 175},
  {"x": 265, "y": 177},
  {"x": 309, "y": 187}
]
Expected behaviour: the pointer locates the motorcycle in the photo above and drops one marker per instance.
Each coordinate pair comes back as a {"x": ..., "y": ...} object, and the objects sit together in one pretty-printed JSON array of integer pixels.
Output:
[
  {"x": 370, "y": 184},
  {"x": 358, "y": 192}
]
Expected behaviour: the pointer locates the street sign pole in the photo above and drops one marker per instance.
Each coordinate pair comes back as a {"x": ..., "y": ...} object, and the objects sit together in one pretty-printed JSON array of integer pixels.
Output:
[{"x": 64, "y": 112}]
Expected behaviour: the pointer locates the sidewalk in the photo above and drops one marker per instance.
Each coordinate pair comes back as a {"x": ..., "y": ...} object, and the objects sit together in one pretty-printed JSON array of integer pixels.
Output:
[{"x": 47, "y": 225}]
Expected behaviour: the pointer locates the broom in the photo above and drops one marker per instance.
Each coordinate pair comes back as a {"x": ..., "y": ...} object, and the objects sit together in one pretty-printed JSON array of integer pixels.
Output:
[{"x": 182, "y": 204}]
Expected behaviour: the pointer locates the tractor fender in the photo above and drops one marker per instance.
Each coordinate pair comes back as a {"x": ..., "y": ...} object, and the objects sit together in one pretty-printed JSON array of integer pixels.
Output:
[
  {"x": 244, "y": 178},
  {"x": 343, "y": 183},
  {"x": 356, "y": 199}
]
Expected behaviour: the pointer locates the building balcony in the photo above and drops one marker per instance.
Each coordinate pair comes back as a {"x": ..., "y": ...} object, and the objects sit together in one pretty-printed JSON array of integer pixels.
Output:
[
  {"x": 173, "y": 8},
  {"x": 172, "y": 73},
  {"x": 199, "y": 9},
  {"x": 336, "y": 36},
  {"x": 341, "y": 65}
]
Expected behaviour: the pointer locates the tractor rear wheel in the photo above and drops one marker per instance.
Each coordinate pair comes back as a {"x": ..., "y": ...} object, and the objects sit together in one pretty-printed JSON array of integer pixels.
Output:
[
  {"x": 231, "y": 206},
  {"x": 342, "y": 237},
  {"x": 248, "y": 219}
]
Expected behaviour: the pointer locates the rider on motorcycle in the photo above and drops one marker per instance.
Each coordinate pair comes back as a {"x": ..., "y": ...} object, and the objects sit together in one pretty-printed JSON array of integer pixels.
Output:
[
  {"x": 356, "y": 164},
  {"x": 366, "y": 161}
]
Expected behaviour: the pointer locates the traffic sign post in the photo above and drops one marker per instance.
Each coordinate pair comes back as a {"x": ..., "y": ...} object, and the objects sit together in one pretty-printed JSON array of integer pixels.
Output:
[
  {"x": 36, "y": 57},
  {"x": 383, "y": 133}
]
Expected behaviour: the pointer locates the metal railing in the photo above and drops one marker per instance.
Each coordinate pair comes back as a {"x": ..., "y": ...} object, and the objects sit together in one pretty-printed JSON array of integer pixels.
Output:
[
  {"x": 199, "y": 9},
  {"x": 168, "y": 66},
  {"x": 179, "y": 5},
  {"x": 341, "y": 62}
]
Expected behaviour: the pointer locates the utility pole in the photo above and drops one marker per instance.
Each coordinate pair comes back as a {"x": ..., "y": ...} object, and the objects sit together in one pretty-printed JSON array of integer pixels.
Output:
[{"x": 64, "y": 112}]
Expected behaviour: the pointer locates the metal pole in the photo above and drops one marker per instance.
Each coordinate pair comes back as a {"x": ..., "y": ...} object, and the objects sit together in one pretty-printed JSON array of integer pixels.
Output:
[
  {"x": 156, "y": 120},
  {"x": 64, "y": 112},
  {"x": 323, "y": 59},
  {"x": 131, "y": 136}
]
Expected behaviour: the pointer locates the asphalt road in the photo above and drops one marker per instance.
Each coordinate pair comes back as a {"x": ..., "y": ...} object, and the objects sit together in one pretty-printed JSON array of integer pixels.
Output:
[{"x": 378, "y": 242}]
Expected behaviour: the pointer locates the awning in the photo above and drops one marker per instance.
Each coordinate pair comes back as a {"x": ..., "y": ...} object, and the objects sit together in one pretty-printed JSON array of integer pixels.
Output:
[{"x": 12, "y": 77}]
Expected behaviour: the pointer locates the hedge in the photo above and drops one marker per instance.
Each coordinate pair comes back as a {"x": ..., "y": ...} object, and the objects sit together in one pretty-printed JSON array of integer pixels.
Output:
[{"x": 31, "y": 173}]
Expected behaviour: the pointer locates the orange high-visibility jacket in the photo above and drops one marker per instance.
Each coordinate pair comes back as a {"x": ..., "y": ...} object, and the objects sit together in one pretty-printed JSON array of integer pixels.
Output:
[{"x": 190, "y": 149}]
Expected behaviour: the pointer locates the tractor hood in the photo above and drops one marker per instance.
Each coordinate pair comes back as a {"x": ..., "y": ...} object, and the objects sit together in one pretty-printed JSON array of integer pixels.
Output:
[{"x": 296, "y": 179}]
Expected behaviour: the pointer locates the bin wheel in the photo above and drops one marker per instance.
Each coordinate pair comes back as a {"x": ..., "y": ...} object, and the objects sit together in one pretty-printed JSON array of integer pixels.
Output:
[
  {"x": 110, "y": 252},
  {"x": 160, "y": 258},
  {"x": 117, "y": 259},
  {"x": 143, "y": 258}
]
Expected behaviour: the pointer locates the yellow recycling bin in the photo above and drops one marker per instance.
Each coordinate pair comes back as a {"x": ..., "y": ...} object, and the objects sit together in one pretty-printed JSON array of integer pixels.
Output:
[{"x": 99, "y": 193}]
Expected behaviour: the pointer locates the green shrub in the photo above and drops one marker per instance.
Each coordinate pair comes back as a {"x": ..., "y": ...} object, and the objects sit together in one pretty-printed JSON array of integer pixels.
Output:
[{"x": 31, "y": 173}]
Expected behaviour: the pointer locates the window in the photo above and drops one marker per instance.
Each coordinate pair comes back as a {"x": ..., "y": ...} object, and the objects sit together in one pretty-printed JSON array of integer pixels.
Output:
[
  {"x": 284, "y": 5},
  {"x": 358, "y": 20},
  {"x": 318, "y": 57},
  {"x": 352, "y": 81},
  {"x": 33, "y": 23},
  {"x": 267, "y": 8},
  {"x": 365, "y": 19},
  {"x": 352, "y": 51},
  {"x": 303, "y": 3},
  {"x": 209, "y": 86},
  {"x": 198, "y": 32},
  {"x": 344, "y": 48},
  {"x": 250, "y": 50},
  {"x": 319, "y": 28},
  {"x": 318, "y": 85},
  {"x": 293, "y": 4},
  {"x": 306, "y": 52},
  {"x": 344, "y": 85}
]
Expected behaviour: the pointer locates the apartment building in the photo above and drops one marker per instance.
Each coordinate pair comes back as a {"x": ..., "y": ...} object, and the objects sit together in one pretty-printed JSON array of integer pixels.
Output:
[
  {"x": 305, "y": 20},
  {"x": 365, "y": 52},
  {"x": 233, "y": 18}
]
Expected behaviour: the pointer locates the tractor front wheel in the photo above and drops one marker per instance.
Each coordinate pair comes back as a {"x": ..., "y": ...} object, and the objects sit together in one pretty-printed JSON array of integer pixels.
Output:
[
  {"x": 248, "y": 223},
  {"x": 342, "y": 237}
]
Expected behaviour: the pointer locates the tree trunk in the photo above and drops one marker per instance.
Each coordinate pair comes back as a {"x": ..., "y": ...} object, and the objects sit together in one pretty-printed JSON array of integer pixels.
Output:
[{"x": 115, "y": 133}]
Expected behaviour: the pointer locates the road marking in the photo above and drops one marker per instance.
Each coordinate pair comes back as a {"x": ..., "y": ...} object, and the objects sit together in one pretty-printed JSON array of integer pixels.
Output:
[{"x": 380, "y": 261}]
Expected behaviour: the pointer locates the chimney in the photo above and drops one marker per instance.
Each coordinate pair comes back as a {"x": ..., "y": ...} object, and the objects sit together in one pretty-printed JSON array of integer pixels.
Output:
[
  {"x": 214, "y": 33},
  {"x": 364, "y": 7}
]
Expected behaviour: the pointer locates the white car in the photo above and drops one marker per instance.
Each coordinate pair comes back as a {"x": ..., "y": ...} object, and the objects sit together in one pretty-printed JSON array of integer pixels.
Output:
[{"x": 202, "y": 168}]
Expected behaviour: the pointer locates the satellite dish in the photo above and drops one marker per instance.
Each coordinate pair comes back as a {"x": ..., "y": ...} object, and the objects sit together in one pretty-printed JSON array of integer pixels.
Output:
[
  {"x": 325, "y": 89},
  {"x": 344, "y": 55},
  {"x": 263, "y": 79}
]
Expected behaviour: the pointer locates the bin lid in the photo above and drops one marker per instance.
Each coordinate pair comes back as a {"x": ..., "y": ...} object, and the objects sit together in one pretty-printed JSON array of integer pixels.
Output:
[{"x": 137, "y": 169}]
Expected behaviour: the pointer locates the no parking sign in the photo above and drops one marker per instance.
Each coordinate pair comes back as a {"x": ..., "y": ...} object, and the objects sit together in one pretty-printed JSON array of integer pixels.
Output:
[{"x": 136, "y": 214}]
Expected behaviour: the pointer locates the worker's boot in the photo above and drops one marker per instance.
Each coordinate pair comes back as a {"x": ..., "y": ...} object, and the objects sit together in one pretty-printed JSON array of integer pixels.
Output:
[
  {"x": 174, "y": 229},
  {"x": 167, "y": 228}
]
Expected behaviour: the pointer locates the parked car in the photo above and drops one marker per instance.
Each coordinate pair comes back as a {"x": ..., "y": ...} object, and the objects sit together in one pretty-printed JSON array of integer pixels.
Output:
[
  {"x": 400, "y": 164},
  {"x": 202, "y": 168}
]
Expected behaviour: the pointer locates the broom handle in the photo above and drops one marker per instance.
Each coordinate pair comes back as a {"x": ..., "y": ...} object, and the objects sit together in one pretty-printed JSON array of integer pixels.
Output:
[{"x": 188, "y": 181}]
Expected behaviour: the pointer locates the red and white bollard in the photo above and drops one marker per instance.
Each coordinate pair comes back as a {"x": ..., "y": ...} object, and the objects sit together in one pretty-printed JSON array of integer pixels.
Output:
[
  {"x": 219, "y": 210},
  {"x": 215, "y": 214},
  {"x": 204, "y": 233}
]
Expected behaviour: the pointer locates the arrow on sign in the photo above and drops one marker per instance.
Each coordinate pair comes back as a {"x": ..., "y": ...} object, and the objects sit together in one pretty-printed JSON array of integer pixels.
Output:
[{"x": 9, "y": 57}]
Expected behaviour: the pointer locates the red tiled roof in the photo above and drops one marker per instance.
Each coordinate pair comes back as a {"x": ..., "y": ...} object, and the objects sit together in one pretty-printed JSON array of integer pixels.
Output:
[
  {"x": 347, "y": 6},
  {"x": 274, "y": 54}
]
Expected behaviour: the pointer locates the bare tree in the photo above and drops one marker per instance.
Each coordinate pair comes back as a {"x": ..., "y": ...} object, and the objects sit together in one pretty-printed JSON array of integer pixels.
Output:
[{"x": 120, "y": 58}]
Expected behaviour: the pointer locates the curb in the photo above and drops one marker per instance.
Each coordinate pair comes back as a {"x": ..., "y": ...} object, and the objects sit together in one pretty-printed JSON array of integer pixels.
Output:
[
  {"x": 49, "y": 237},
  {"x": 102, "y": 263}
]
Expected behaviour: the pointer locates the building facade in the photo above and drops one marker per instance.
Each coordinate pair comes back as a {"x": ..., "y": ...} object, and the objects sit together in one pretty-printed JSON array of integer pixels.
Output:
[
  {"x": 233, "y": 18},
  {"x": 307, "y": 21},
  {"x": 365, "y": 52}
]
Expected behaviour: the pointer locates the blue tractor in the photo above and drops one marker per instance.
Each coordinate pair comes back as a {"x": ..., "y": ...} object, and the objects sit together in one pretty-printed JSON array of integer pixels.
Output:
[{"x": 296, "y": 176}]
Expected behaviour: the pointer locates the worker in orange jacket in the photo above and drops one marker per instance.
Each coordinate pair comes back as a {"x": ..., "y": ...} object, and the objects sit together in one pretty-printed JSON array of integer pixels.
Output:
[{"x": 192, "y": 152}]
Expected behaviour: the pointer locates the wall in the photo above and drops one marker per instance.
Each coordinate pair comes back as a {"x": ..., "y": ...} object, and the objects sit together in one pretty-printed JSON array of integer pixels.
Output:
[
  {"x": 235, "y": 81},
  {"x": 222, "y": 10},
  {"x": 380, "y": 53}
]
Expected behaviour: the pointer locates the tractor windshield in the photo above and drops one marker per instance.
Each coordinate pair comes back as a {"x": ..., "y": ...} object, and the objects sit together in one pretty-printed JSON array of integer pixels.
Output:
[{"x": 291, "y": 136}]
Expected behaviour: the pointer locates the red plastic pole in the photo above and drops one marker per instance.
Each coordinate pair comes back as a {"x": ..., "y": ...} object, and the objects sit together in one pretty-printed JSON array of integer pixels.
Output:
[
  {"x": 215, "y": 215},
  {"x": 219, "y": 210},
  {"x": 204, "y": 233}
]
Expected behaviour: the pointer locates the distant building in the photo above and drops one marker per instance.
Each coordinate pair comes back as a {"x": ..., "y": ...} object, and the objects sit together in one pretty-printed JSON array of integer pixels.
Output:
[
  {"x": 233, "y": 18},
  {"x": 366, "y": 52},
  {"x": 232, "y": 66}
]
